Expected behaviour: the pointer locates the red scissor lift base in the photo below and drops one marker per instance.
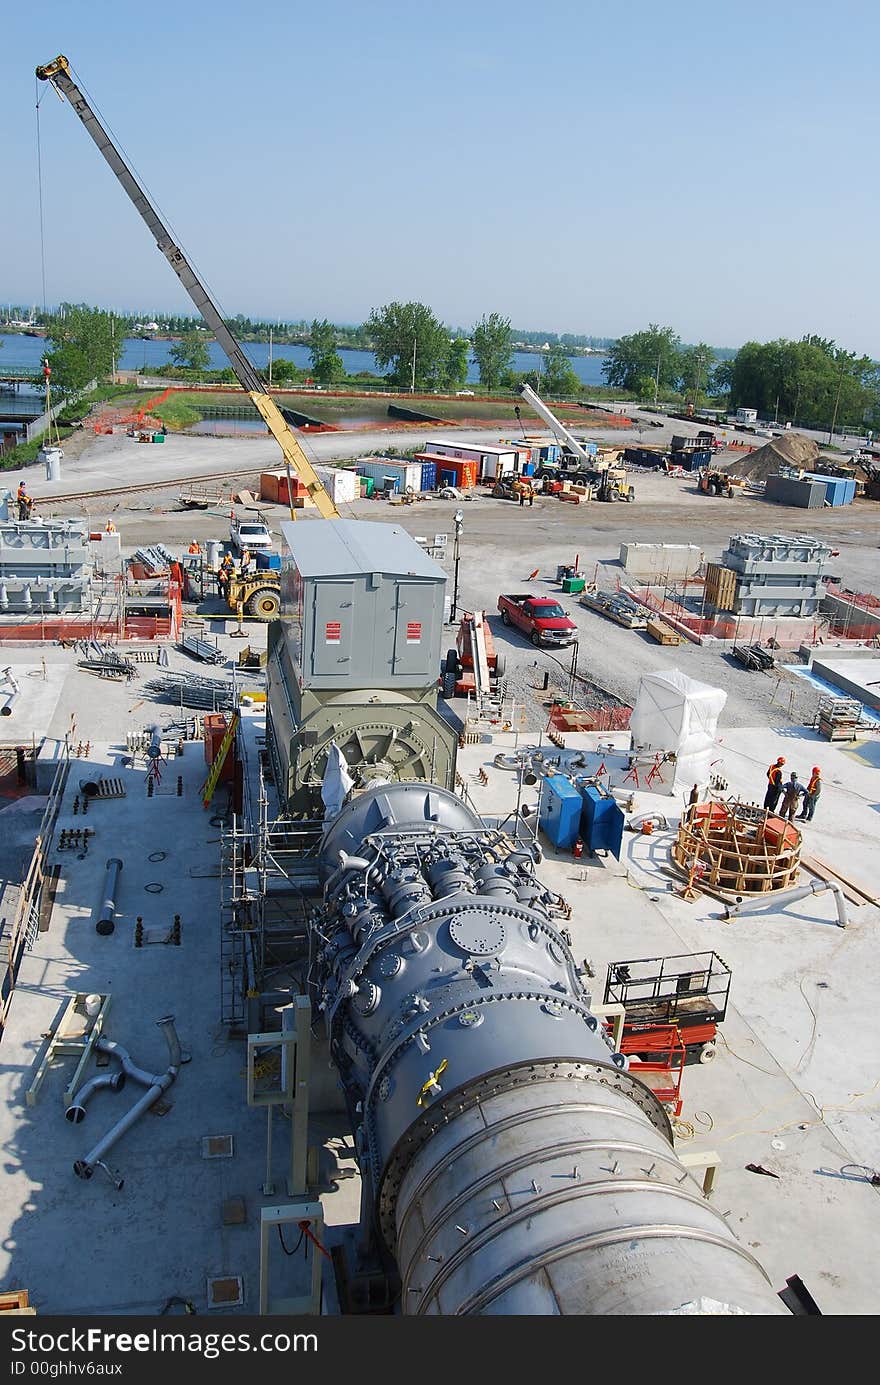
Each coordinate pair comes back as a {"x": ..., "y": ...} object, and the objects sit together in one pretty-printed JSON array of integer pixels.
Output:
[{"x": 662, "y": 1065}]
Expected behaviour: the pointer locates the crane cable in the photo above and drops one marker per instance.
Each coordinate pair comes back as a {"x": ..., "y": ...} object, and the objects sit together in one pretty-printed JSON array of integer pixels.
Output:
[{"x": 39, "y": 96}]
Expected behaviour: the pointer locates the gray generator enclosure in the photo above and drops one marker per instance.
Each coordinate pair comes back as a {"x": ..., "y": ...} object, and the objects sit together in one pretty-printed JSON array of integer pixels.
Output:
[{"x": 354, "y": 660}]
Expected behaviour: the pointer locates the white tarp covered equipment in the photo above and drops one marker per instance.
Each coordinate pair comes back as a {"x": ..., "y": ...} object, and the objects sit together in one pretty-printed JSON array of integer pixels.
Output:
[
  {"x": 676, "y": 713},
  {"x": 336, "y": 782}
]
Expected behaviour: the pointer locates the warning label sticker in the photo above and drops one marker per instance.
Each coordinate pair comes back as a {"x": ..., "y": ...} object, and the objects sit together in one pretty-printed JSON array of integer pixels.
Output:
[
  {"x": 414, "y": 632},
  {"x": 333, "y": 632}
]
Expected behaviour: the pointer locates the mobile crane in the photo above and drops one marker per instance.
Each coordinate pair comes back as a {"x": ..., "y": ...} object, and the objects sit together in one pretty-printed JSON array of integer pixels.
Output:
[
  {"x": 611, "y": 481},
  {"x": 57, "y": 73}
]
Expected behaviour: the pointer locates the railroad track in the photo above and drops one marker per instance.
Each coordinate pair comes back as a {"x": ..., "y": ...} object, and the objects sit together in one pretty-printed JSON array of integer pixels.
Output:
[{"x": 171, "y": 482}]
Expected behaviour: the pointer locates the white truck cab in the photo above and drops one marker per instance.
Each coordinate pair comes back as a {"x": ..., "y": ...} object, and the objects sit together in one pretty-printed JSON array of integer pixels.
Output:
[{"x": 250, "y": 534}]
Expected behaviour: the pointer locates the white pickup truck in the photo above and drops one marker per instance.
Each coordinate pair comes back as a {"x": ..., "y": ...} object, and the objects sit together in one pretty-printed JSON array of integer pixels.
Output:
[{"x": 250, "y": 534}]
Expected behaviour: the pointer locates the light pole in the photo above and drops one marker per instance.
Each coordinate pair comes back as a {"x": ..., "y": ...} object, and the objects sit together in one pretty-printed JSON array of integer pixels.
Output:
[
  {"x": 458, "y": 521},
  {"x": 412, "y": 388}
]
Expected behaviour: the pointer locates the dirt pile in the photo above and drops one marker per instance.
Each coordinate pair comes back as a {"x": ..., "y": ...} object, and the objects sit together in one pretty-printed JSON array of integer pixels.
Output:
[{"x": 789, "y": 450}]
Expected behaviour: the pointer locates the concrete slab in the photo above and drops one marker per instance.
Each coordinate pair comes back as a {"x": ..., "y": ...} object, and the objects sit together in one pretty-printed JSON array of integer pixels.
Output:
[
  {"x": 855, "y": 677},
  {"x": 793, "y": 1088},
  {"x": 794, "y": 1085},
  {"x": 83, "y": 1247}
]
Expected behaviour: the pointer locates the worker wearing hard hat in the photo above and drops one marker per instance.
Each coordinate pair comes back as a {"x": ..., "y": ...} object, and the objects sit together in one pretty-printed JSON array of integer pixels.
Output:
[
  {"x": 25, "y": 503},
  {"x": 774, "y": 784},
  {"x": 194, "y": 547},
  {"x": 811, "y": 796},
  {"x": 791, "y": 792}
]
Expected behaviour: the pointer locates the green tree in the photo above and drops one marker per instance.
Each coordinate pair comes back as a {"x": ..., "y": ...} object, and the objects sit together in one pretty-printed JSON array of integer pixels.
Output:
[
  {"x": 695, "y": 370},
  {"x": 722, "y": 378},
  {"x": 408, "y": 338},
  {"x": 327, "y": 365},
  {"x": 653, "y": 354},
  {"x": 492, "y": 339},
  {"x": 86, "y": 345},
  {"x": 813, "y": 382},
  {"x": 286, "y": 372},
  {"x": 455, "y": 363},
  {"x": 559, "y": 377},
  {"x": 191, "y": 351}
]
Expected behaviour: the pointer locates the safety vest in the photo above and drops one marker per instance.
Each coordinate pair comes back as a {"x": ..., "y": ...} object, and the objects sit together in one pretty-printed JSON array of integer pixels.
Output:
[
  {"x": 774, "y": 776},
  {"x": 815, "y": 785}
]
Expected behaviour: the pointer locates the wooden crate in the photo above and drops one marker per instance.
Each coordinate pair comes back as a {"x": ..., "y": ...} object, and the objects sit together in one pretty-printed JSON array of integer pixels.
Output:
[
  {"x": 661, "y": 632},
  {"x": 721, "y": 587},
  {"x": 15, "y": 1303}
]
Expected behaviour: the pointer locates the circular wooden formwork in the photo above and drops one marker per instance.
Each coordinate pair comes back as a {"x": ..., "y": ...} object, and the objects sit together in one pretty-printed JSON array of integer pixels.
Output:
[{"x": 738, "y": 848}]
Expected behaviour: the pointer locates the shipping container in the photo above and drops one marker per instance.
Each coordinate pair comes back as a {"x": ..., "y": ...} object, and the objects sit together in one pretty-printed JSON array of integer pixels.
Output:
[
  {"x": 406, "y": 475},
  {"x": 273, "y": 487},
  {"x": 452, "y": 472},
  {"x": 839, "y": 490},
  {"x": 429, "y": 476},
  {"x": 493, "y": 468},
  {"x": 805, "y": 495},
  {"x": 269, "y": 486},
  {"x": 342, "y": 485}
]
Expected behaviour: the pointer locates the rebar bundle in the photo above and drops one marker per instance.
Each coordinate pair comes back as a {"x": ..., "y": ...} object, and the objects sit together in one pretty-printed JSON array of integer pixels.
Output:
[{"x": 190, "y": 690}]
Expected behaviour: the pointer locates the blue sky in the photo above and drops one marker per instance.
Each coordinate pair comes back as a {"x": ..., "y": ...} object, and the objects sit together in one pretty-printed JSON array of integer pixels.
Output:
[{"x": 575, "y": 166}]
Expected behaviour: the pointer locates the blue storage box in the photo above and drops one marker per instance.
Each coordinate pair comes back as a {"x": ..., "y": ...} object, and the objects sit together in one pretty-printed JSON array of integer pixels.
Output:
[
  {"x": 601, "y": 822},
  {"x": 559, "y": 811},
  {"x": 270, "y": 561}
]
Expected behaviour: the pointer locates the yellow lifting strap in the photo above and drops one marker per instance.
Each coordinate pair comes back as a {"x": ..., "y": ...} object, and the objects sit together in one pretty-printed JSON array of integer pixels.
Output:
[
  {"x": 431, "y": 1086},
  {"x": 220, "y": 759}
]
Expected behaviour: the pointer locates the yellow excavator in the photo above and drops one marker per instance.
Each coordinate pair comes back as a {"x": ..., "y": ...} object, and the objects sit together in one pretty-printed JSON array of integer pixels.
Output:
[{"x": 58, "y": 74}]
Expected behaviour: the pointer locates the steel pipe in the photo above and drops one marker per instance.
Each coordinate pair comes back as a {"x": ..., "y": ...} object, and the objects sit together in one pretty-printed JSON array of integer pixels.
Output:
[
  {"x": 85, "y": 1167},
  {"x": 761, "y": 902},
  {"x": 113, "y": 1082},
  {"x": 106, "y": 924}
]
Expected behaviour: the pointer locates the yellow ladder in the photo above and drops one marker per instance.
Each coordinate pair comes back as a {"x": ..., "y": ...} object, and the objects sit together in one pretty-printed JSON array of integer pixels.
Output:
[{"x": 220, "y": 760}]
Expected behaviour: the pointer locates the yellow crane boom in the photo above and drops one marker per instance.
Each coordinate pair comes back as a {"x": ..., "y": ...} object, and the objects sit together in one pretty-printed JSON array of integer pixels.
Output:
[{"x": 58, "y": 74}]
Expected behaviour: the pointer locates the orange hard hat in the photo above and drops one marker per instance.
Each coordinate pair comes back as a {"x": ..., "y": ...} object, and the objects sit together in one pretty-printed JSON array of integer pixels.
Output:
[
  {"x": 816, "y": 769},
  {"x": 781, "y": 760}
]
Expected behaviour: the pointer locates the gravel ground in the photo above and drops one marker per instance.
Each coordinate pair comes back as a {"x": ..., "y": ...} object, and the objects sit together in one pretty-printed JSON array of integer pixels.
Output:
[{"x": 501, "y": 544}]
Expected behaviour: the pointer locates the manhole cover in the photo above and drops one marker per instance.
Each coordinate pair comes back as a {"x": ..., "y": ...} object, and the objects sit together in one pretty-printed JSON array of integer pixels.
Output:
[{"x": 477, "y": 932}]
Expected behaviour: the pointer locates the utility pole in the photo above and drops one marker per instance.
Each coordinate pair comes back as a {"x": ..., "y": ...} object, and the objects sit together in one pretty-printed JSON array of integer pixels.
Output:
[
  {"x": 657, "y": 376},
  {"x": 412, "y": 388},
  {"x": 270, "y": 355},
  {"x": 836, "y": 403}
]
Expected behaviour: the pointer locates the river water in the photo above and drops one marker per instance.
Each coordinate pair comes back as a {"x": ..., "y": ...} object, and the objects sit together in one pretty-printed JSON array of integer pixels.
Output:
[{"x": 17, "y": 350}]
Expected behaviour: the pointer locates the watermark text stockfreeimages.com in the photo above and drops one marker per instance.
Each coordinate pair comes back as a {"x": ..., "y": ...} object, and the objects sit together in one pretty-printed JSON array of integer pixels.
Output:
[{"x": 96, "y": 1341}]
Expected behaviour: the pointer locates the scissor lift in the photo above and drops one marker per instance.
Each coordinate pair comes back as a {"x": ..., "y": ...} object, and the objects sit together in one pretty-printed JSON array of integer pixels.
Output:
[{"x": 690, "y": 991}]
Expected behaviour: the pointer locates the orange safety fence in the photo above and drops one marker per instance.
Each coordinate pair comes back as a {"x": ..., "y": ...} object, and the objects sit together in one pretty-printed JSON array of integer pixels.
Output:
[{"x": 594, "y": 719}]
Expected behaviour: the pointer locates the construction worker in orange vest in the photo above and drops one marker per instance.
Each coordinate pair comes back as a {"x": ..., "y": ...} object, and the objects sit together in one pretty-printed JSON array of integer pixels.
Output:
[
  {"x": 194, "y": 547},
  {"x": 814, "y": 789},
  {"x": 774, "y": 784}
]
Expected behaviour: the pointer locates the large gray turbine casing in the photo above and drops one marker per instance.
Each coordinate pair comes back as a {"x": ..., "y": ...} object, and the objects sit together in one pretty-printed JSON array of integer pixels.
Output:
[
  {"x": 354, "y": 660},
  {"x": 511, "y": 1163}
]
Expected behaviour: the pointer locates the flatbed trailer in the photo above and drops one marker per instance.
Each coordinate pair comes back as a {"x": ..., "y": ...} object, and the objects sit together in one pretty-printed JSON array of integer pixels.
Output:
[{"x": 689, "y": 990}]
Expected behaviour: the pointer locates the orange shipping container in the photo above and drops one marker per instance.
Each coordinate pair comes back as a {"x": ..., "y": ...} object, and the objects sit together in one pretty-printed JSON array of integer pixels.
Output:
[
  {"x": 269, "y": 486},
  {"x": 465, "y": 472}
]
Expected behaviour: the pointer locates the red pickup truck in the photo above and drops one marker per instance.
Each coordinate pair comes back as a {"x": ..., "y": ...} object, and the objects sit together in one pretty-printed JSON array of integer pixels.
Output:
[{"x": 540, "y": 617}]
